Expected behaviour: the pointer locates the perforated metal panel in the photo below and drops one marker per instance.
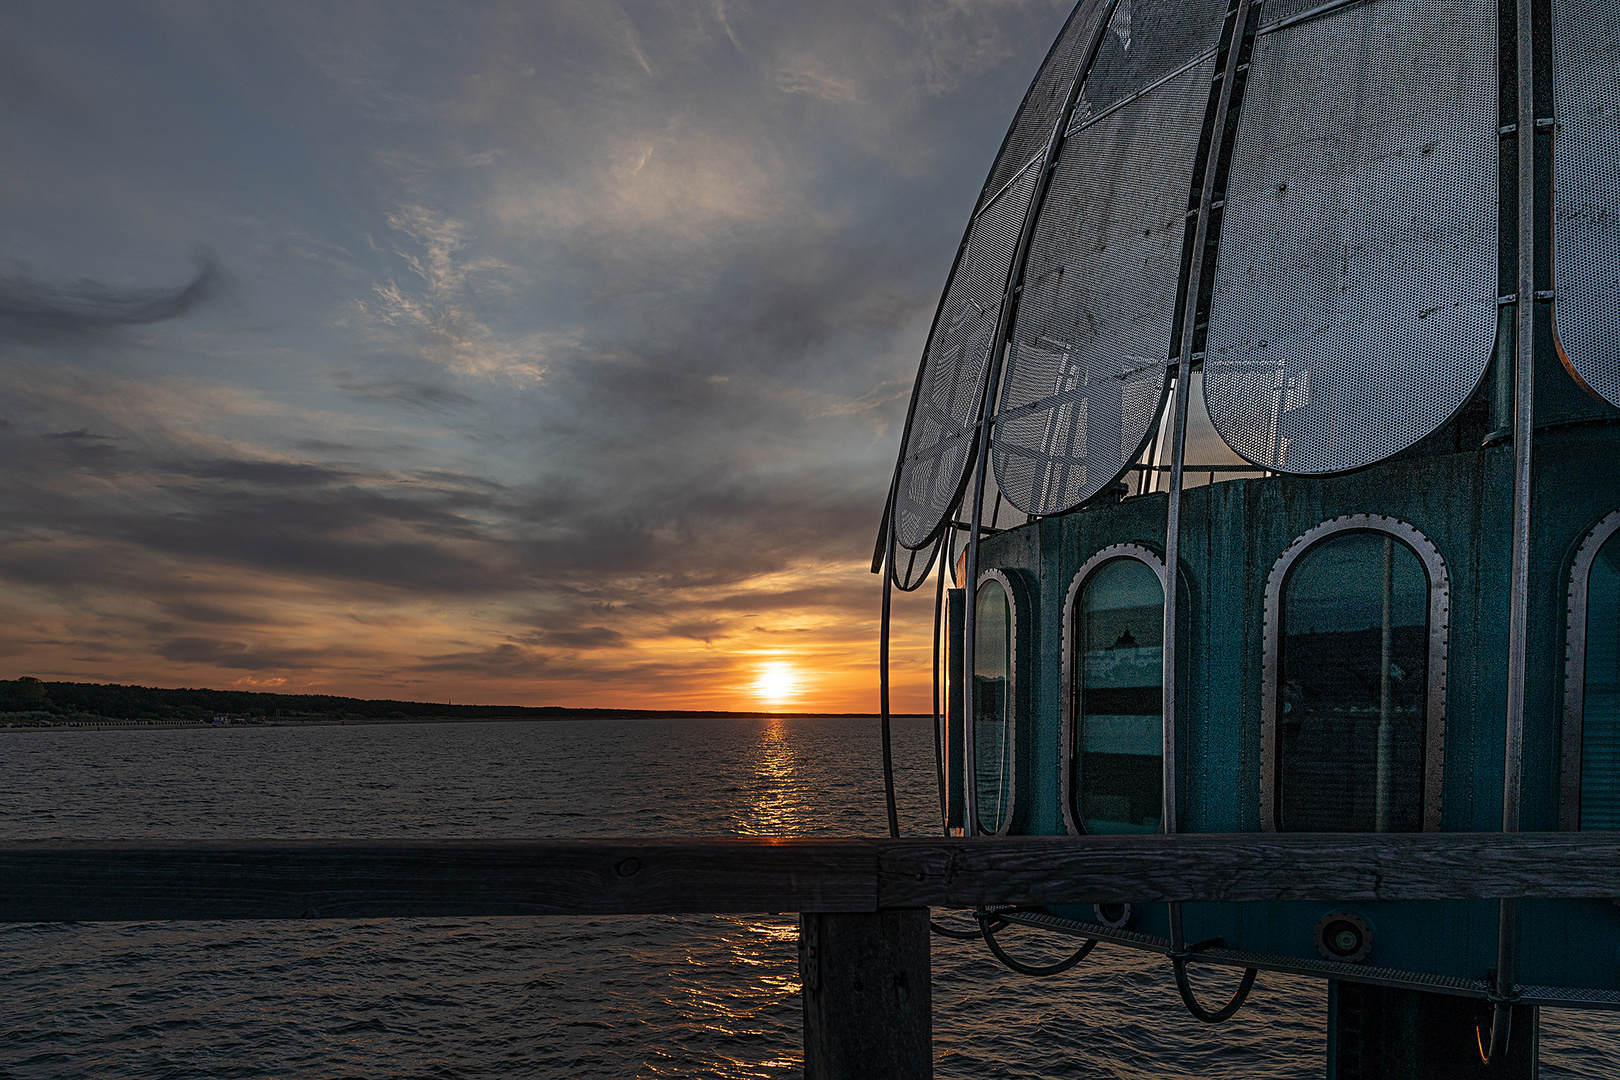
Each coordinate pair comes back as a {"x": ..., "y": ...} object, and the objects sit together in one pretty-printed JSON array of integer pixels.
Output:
[
  {"x": 909, "y": 569},
  {"x": 1042, "y": 106},
  {"x": 1354, "y": 299},
  {"x": 1085, "y": 379},
  {"x": 945, "y": 417},
  {"x": 935, "y": 461},
  {"x": 1145, "y": 42},
  {"x": 1586, "y": 194}
]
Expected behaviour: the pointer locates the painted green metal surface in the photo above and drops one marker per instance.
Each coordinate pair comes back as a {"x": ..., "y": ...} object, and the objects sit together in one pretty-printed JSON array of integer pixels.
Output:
[{"x": 1233, "y": 534}]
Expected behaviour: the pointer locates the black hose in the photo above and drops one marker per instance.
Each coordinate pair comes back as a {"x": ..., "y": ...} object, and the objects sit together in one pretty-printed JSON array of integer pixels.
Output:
[
  {"x": 1501, "y": 1031},
  {"x": 1179, "y": 963},
  {"x": 989, "y": 933}
]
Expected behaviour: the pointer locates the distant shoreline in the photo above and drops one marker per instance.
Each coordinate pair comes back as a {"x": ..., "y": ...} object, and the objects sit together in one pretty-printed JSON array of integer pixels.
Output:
[
  {"x": 30, "y": 703},
  {"x": 99, "y": 723}
]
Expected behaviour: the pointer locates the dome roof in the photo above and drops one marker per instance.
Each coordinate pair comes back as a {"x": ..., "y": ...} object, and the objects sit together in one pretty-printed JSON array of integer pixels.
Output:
[{"x": 1313, "y": 189}]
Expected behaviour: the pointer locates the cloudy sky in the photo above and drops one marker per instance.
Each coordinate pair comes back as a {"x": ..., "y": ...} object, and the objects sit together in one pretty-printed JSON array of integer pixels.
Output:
[{"x": 547, "y": 353}]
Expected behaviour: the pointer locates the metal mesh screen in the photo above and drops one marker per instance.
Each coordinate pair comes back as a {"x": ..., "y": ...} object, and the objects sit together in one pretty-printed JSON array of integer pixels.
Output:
[
  {"x": 1085, "y": 378},
  {"x": 937, "y": 453},
  {"x": 1586, "y": 200},
  {"x": 909, "y": 569},
  {"x": 935, "y": 460},
  {"x": 1043, "y": 104},
  {"x": 1354, "y": 299},
  {"x": 1146, "y": 41}
]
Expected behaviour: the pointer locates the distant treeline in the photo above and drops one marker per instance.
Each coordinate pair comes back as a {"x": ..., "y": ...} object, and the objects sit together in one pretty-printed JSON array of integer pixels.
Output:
[{"x": 119, "y": 702}]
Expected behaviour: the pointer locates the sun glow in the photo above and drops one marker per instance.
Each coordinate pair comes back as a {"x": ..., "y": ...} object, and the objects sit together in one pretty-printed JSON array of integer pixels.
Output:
[{"x": 777, "y": 683}]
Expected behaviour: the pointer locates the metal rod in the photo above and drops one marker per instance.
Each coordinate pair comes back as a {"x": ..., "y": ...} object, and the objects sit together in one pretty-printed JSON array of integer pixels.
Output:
[
  {"x": 883, "y": 692},
  {"x": 1154, "y": 468},
  {"x": 970, "y": 628},
  {"x": 940, "y": 727},
  {"x": 1386, "y": 728},
  {"x": 1523, "y": 430},
  {"x": 1524, "y": 372},
  {"x": 1238, "y": 14}
]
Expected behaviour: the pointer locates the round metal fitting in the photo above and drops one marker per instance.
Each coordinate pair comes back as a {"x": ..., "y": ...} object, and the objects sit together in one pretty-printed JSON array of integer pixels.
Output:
[
  {"x": 1344, "y": 936},
  {"x": 1115, "y": 916}
]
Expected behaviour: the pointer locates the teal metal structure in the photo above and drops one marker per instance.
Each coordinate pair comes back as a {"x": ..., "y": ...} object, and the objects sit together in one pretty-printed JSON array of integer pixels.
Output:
[{"x": 1318, "y": 306}]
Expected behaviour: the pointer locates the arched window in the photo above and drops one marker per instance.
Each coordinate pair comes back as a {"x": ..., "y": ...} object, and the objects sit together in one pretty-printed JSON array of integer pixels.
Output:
[
  {"x": 1591, "y": 750},
  {"x": 1114, "y": 727},
  {"x": 994, "y": 722},
  {"x": 1353, "y": 689}
]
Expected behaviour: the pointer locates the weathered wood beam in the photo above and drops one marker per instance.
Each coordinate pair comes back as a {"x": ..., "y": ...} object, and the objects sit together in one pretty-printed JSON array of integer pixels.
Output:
[
  {"x": 267, "y": 879},
  {"x": 348, "y": 879}
]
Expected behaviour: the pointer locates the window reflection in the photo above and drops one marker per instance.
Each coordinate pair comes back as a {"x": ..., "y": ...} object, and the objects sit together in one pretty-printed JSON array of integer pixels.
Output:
[
  {"x": 1600, "y": 725},
  {"x": 1353, "y": 687},
  {"x": 992, "y": 706},
  {"x": 1119, "y": 731}
]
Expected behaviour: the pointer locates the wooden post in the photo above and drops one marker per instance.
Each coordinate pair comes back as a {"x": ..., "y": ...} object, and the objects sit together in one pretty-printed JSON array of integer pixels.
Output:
[{"x": 866, "y": 995}]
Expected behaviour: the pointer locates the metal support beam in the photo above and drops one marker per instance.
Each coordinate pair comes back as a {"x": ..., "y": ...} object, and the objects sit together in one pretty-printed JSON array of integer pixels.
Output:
[{"x": 1524, "y": 385}]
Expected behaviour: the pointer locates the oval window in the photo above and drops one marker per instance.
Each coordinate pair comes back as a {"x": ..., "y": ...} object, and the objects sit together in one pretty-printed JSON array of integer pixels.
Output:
[
  {"x": 1600, "y": 725},
  {"x": 993, "y": 706},
  {"x": 1118, "y": 756}
]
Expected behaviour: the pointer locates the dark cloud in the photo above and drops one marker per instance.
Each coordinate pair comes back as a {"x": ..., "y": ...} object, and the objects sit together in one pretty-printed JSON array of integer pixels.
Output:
[
  {"x": 501, "y": 660},
  {"x": 392, "y": 390},
  {"x": 197, "y": 611},
  {"x": 32, "y": 311},
  {"x": 238, "y": 655},
  {"x": 704, "y": 630},
  {"x": 589, "y": 637}
]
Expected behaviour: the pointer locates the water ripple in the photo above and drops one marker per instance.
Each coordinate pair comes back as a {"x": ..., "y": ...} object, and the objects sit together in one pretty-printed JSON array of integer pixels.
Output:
[{"x": 655, "y": 996}]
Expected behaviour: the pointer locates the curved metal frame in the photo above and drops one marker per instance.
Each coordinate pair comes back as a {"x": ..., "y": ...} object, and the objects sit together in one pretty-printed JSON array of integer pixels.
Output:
[
  {"x": 1439, "y": 625},
  {"x": 985, "y": 198},
  {"x": 970, "y": 774},
  {"x": 1068, "y": 704},
  {"x": 1573, "y": 747}
]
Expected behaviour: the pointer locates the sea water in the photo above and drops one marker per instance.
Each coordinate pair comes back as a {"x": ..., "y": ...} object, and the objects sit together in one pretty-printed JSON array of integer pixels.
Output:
[{"x": 625, "y": 996}]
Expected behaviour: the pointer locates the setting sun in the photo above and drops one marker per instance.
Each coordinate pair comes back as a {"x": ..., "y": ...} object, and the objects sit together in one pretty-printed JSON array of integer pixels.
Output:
[{"x": 778, "y": 683}]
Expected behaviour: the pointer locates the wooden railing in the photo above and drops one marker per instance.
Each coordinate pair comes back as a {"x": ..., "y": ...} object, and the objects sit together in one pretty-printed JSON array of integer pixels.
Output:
[{"x": 864, "y": 932}]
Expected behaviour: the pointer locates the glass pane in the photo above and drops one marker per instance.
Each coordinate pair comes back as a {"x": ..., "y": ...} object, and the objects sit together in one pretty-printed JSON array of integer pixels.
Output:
[
  {"x": 992, "y": 706},
  {"x": 1352, "y": 688},
  {"x": 1600, "y": 727},
  {"x": 1119, "y": 734}
]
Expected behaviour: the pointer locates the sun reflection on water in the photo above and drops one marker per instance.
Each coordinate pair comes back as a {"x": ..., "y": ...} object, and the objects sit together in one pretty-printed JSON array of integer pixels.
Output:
[{"x": 776, "y": 799}]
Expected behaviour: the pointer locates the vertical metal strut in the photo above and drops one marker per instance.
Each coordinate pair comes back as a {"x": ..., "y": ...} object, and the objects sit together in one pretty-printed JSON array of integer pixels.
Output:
[
  {"x": 940, "y": 724},
  {"x": 998, "y": 347},
  {"x": 883, "y": 685},
  {"x": 1524, "y": 371},
  {"x": 1238, "y": 15}
]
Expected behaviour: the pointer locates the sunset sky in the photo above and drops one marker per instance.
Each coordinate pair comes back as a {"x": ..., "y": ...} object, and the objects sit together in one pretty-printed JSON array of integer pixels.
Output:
[{"x": 539, "y": 353}]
